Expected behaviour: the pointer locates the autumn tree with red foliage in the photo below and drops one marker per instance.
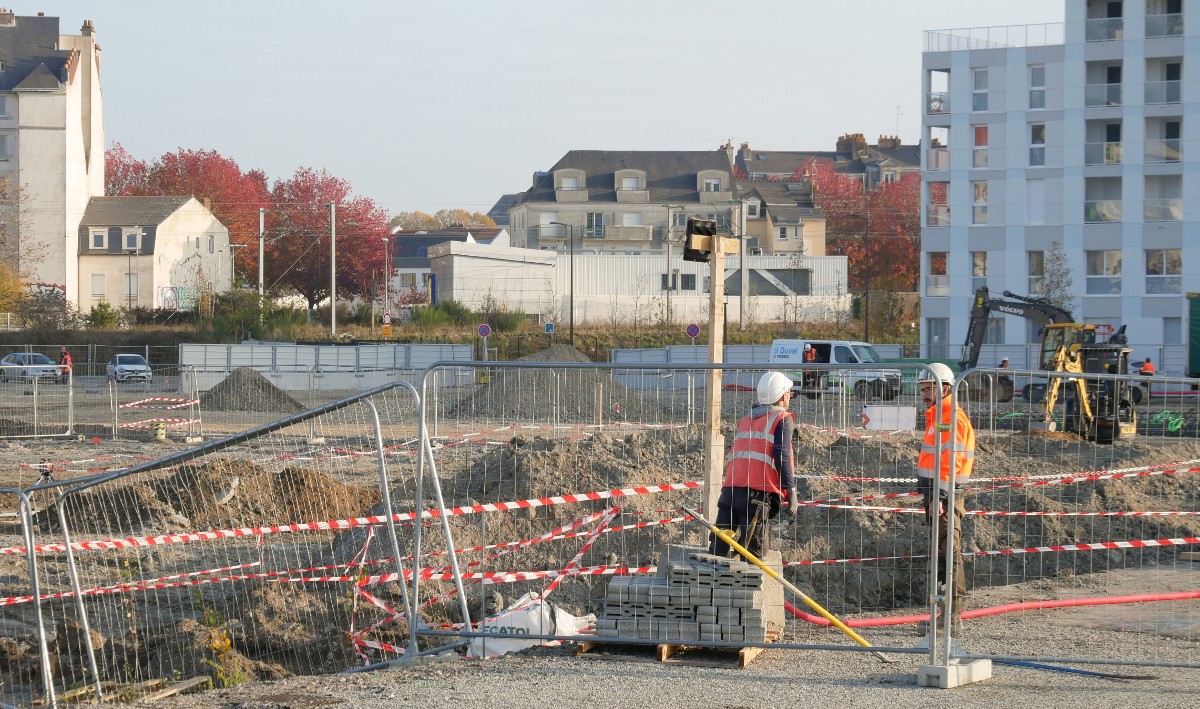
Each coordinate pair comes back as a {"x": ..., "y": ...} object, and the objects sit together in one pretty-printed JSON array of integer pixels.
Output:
[
  {"x": 299, "y": 228},
  {"x": 297, "y": 220},
  {"x": 889, "y": 214}
]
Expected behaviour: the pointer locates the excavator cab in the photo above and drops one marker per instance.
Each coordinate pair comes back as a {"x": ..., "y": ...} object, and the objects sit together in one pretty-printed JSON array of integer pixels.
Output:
[{"x": 1063, "y": 335}]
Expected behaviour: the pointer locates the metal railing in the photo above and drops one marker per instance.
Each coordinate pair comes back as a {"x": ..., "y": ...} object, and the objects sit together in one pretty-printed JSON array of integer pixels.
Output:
[
  {"x": 1163, "y": 92},
  {"x": 937, "y": 286},
  {"x": 937, "y": 215},
  {"x": 1162, "y": 210},
  {"x": 1102, "y": 210},
  {"x": 1165, "y": 25},
  {"x": 937, "y": 159},
  {"x": 994, "y": 37},
  {"x": 1168, "y": 150},
  {"x": 1102, "y": 154},
  {"x": 937, "y": 102},
  {"x": 1105, "y": 29}
]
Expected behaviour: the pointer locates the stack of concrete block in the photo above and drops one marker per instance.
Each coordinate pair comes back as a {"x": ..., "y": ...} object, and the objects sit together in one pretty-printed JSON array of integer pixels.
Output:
[{"x": 696, "y": 597}]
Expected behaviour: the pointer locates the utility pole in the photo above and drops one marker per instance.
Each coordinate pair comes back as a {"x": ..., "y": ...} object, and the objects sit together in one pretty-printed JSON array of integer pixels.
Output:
[
  {"x": 332, "y": 269},
  {"x": 387, "y": 274},
  {"x": 743, "y": 266},
  {"x": 262, "y": 212},
  {"x": 714, "y": 454},
  {"x": 867, "y": 298},
  {"x": 571, "y": 297}
]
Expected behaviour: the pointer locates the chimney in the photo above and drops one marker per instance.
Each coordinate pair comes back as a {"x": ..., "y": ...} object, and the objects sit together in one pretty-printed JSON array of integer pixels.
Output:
[
  {"x": 88, "y": 29},
  {"x": 41, "y": 14},
  {"x": 888, "y": 142},
  {"x": 854, "y": 144},
  {"x": 8, "y": 18},
  {"x": 728, "y": 148}
]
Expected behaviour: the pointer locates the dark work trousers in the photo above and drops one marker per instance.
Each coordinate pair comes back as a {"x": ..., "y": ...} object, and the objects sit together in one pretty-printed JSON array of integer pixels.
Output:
[
  {"x": 960, "y": 511},
  {"x": 736, "y": 509}
]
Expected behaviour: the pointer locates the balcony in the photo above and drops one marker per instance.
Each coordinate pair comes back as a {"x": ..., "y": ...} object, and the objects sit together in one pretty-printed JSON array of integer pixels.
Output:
[
  {"x": 1102, "y": 95},
  {"x": 937, "y": 215},
  {"x": 1162, "y": 92},
  {"x": 1102, "y": 154},
  {"x": 994, "y": 37},
  {"x": 937, "y": 286},
  {"x": 640, "y": 232},
  {"x": 1162, "y": 210},
  {"x": 1164, "y": 25},
  {"x": 571, "y": 194},
  {"x": 635, "y": 196},
  {"x": 937, "y": 102},
  {"x": 937, "y": 159},
  {"x": 1105, "y": 29},
  {"x": 1163, "y": 150},
  {"x": 547, "y": 231},
  {"x": 592, "y": 232},
  {"x": 1101, "y": 211}
]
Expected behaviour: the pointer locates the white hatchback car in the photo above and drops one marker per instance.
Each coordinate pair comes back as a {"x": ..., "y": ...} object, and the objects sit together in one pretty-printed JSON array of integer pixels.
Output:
[{"x": 128, "y": 368}]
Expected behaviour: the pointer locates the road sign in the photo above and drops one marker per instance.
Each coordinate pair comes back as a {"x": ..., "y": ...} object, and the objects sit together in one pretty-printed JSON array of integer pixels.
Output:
[
  {"x": 549, "y": 328},
  {"x": 387, "y": 319},
  {"x": 386, "y": 330},
  {"x": 693, "y": 331},
  {"x": 485, "y": 330}
]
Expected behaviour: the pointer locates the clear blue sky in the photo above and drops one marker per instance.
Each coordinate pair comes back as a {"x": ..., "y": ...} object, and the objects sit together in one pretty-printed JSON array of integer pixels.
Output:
[{"x": 425, "y": 105}]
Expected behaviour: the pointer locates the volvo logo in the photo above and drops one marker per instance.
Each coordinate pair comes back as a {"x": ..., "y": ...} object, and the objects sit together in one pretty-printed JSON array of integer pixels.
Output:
[{"x": 1010, "y": 309}]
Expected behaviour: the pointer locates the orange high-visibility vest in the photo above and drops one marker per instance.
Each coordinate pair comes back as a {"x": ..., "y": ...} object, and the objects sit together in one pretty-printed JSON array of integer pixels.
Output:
[
  {"x": 1147, "y": 368},
  {"x": 964, "y": 436},
  {"x": 751, "y": 458}
]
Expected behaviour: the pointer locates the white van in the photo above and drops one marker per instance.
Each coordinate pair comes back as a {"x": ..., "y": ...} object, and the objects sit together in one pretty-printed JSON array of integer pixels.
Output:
[{"x": 788, "y": 357}]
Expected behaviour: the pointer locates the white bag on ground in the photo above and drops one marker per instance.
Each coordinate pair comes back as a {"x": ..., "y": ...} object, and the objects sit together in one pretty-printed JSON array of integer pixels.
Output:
[{"x": 529, "y": 615}]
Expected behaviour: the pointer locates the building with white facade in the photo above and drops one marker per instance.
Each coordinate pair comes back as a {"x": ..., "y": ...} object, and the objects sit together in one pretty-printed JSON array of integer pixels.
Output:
[{"x": 1085, "y": 133}]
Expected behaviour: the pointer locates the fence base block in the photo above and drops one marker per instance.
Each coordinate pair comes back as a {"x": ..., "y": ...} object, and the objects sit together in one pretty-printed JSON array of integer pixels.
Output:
[{"x": 954, "y": 674}]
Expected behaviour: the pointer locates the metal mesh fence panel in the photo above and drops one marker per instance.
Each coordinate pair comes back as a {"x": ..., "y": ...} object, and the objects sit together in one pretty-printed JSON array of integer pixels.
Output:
[{"x": 35, "y": 400}]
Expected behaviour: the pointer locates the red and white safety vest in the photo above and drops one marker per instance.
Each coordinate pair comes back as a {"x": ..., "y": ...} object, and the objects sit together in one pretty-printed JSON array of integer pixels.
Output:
[
  {"x": 963, "y": 434},
  {"x": 752, "y": 456}
]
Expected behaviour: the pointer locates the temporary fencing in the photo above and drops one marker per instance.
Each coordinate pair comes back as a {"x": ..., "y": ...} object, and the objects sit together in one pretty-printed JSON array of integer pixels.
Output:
[
  {"x": 513, "y": 488},
  {"x": 35, "y": 401}
]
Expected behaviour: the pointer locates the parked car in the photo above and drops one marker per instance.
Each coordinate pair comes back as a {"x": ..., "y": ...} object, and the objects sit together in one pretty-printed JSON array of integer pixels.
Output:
[
  {"x": 128, "y": 368},
  {"x": 788, "y": 355},
  {"x": 27, "y": 366}
]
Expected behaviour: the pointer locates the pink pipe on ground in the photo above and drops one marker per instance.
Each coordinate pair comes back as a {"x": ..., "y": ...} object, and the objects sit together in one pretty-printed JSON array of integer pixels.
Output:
[{"x": 995, "y": 610}]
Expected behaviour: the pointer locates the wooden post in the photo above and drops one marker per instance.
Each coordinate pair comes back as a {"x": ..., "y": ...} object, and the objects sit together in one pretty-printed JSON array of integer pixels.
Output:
[
  {"x": 714, "y": 442},
  {"x": 599, "y": 404}
]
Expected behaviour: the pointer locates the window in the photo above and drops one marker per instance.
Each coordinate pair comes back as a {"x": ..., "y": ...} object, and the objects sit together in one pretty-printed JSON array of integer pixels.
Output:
[
  {"x": 712, "y": 184},
  {"x": 674, "y": 281},
  {"x": 979, "y": 96},
  {"x": 687, "y": 281},
  {"x": 783, "y": 233},
  {"x": 841, "y": 355},
  {"x": 752, "y": 210},
  {"x": 1037, "y": 87},
  {"x": 3, "y": 101},
  {"x": 979, "y": 215},
  {"x": 1172, "y": 331},
  {"x": 631, "y": 219},
  {"x": 3, "y": 147},
  {"x": 99, "y": 238},
  {"x": 408, "y": 280},
  {"x": 1103, "y": 272},
  {"x": 98, "y": 286},
  {"x": 978, "y": 270},
  {"x": 197, "y": 243},
  {"x": 1037, "y": 144},
  {"x": 1037, "y": 269},
  {"x": 994, "y": 334},
  {"x": 629, "y": 183},
  {"x": 570, "y": 183},
  {"x": 937, "y": 283},
  {"x": 937, "y": 336},
  {"x": 212, "y": 243},
  {"x": 131, "y": 241},
  {"x": 1164, "y": 268},
  {"x": 981, "y": 145},
  {"x": 595, "y": 224},
  {"x": 1035, "y": 201},
  {"x": 131, "y": 286}
]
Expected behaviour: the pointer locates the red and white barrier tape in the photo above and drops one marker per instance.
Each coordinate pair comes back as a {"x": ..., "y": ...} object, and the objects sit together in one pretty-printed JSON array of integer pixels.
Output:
[
  {"x": 164, "y": 422},
  {"x": 178, "y": 403},
  {"x": 1133, "y": 544}
]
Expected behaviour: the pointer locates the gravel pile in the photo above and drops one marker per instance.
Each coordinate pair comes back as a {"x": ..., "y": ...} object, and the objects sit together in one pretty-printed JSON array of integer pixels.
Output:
[{"x": 247, "y": 390}]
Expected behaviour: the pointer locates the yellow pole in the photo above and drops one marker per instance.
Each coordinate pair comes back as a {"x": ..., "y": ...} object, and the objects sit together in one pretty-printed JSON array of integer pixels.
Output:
[{"x": 779, "y": 577}]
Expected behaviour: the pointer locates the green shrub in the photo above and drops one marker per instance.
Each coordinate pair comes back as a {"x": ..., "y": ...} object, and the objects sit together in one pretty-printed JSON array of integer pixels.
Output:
[
  {"x": 103, "y": 316},
  {"x": 506, "y": 320}
]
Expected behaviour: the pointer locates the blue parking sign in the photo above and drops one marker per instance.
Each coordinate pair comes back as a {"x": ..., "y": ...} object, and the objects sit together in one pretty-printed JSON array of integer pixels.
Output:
[{"x": 549, "y": 328}]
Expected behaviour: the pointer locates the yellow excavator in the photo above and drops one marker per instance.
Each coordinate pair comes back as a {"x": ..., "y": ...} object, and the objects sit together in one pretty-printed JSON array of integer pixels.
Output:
[{"x": 1099, "y": 410}]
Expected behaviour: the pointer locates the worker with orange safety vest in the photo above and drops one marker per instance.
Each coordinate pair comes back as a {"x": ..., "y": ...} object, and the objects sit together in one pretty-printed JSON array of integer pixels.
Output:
[
  {"x": 1147, "y": 370},
  {"x": 951, "y": 448},
  {"x": 810, "y": 357},
  {"x": 759, "y": 474}
]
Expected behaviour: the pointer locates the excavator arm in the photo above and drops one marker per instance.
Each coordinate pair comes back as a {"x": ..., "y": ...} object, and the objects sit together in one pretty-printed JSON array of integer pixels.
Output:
[{"x": 1036, "y": 309}]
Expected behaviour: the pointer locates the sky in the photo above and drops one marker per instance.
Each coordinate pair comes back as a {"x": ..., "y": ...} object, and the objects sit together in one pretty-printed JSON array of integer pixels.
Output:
[{"x": 432, "y": 105}]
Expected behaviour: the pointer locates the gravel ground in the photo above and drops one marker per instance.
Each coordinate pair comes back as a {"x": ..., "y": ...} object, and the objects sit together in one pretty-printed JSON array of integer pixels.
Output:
[{"x": 553, "y": 678}]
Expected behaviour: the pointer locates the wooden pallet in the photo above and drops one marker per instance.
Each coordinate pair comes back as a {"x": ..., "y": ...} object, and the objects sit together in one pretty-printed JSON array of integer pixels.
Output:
[{"x": 664, "y": 653}]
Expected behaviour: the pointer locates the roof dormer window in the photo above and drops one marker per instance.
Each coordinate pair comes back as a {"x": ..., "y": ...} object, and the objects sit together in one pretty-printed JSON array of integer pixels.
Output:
[
  {"x": 570, "y": 183},
  {"x": 629, "y": 183}
]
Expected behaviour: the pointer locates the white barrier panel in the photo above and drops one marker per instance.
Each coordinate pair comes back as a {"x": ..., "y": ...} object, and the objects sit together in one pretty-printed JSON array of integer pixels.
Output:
[{"x": 889, "y": 418}]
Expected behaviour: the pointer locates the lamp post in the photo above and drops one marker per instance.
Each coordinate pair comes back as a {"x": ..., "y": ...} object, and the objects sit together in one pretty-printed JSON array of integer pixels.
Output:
[
  {"x": 131, "y": 278},
  {"x": 332, "y": 268},
  {"x": 670, "y": 270},
  {"x": 571, "y": 300},
  {"x": 262, "y": 213},
  {"x": 386, "y": 276}
]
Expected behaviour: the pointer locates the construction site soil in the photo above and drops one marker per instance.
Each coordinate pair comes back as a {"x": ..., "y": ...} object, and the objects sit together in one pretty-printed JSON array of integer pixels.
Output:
[
  {"x": 302, "y": 627},
  {"x": 247, "y": 390}
]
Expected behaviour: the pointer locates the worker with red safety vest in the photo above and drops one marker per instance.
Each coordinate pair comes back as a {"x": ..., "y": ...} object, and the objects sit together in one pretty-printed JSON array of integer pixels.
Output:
[
  {"x": 759, "y": 475},
  {"x": 810, "y": 357},
  {"x": 952, "y": 448}
]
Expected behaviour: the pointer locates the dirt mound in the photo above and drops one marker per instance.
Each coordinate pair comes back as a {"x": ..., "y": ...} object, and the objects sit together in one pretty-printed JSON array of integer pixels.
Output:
[
  {"x": 1052, "y": 435},
  {"x": 218, "y": 493},
  {"x": 556, "y": 353},
  {"x": 247, "y": 390}
]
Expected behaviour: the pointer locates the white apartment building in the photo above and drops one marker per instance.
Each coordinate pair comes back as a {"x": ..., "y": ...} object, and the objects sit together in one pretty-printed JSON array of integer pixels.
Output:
[{"x": 1085, "y": 133}]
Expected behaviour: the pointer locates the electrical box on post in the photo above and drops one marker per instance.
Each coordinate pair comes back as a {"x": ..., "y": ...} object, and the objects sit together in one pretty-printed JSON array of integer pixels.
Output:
[{"x": 699, "y": 239}]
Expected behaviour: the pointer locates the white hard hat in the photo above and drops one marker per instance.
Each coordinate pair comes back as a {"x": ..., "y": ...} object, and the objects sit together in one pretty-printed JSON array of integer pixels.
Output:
[
  {"x": 943, "y": 372},
  {"x": 772, "y": 386},
  {"x": 807, "y": 347},
  {"x": 1004, "y": 360}
]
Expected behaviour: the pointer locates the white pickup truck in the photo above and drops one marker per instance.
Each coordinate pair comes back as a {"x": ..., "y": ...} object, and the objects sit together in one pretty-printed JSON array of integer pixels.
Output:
[{"x": 788, "y": 357}]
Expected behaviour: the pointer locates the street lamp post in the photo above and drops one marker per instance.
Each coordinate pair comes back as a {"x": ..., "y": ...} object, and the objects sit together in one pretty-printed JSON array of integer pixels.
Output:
[
  {"x": 571, "y": 300},
  {"x": 262, "y": 212},
  {"x": 332, "y": 268},
  {"x": 386, "y": 276},
  {"x": 670, "y": 271}
]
